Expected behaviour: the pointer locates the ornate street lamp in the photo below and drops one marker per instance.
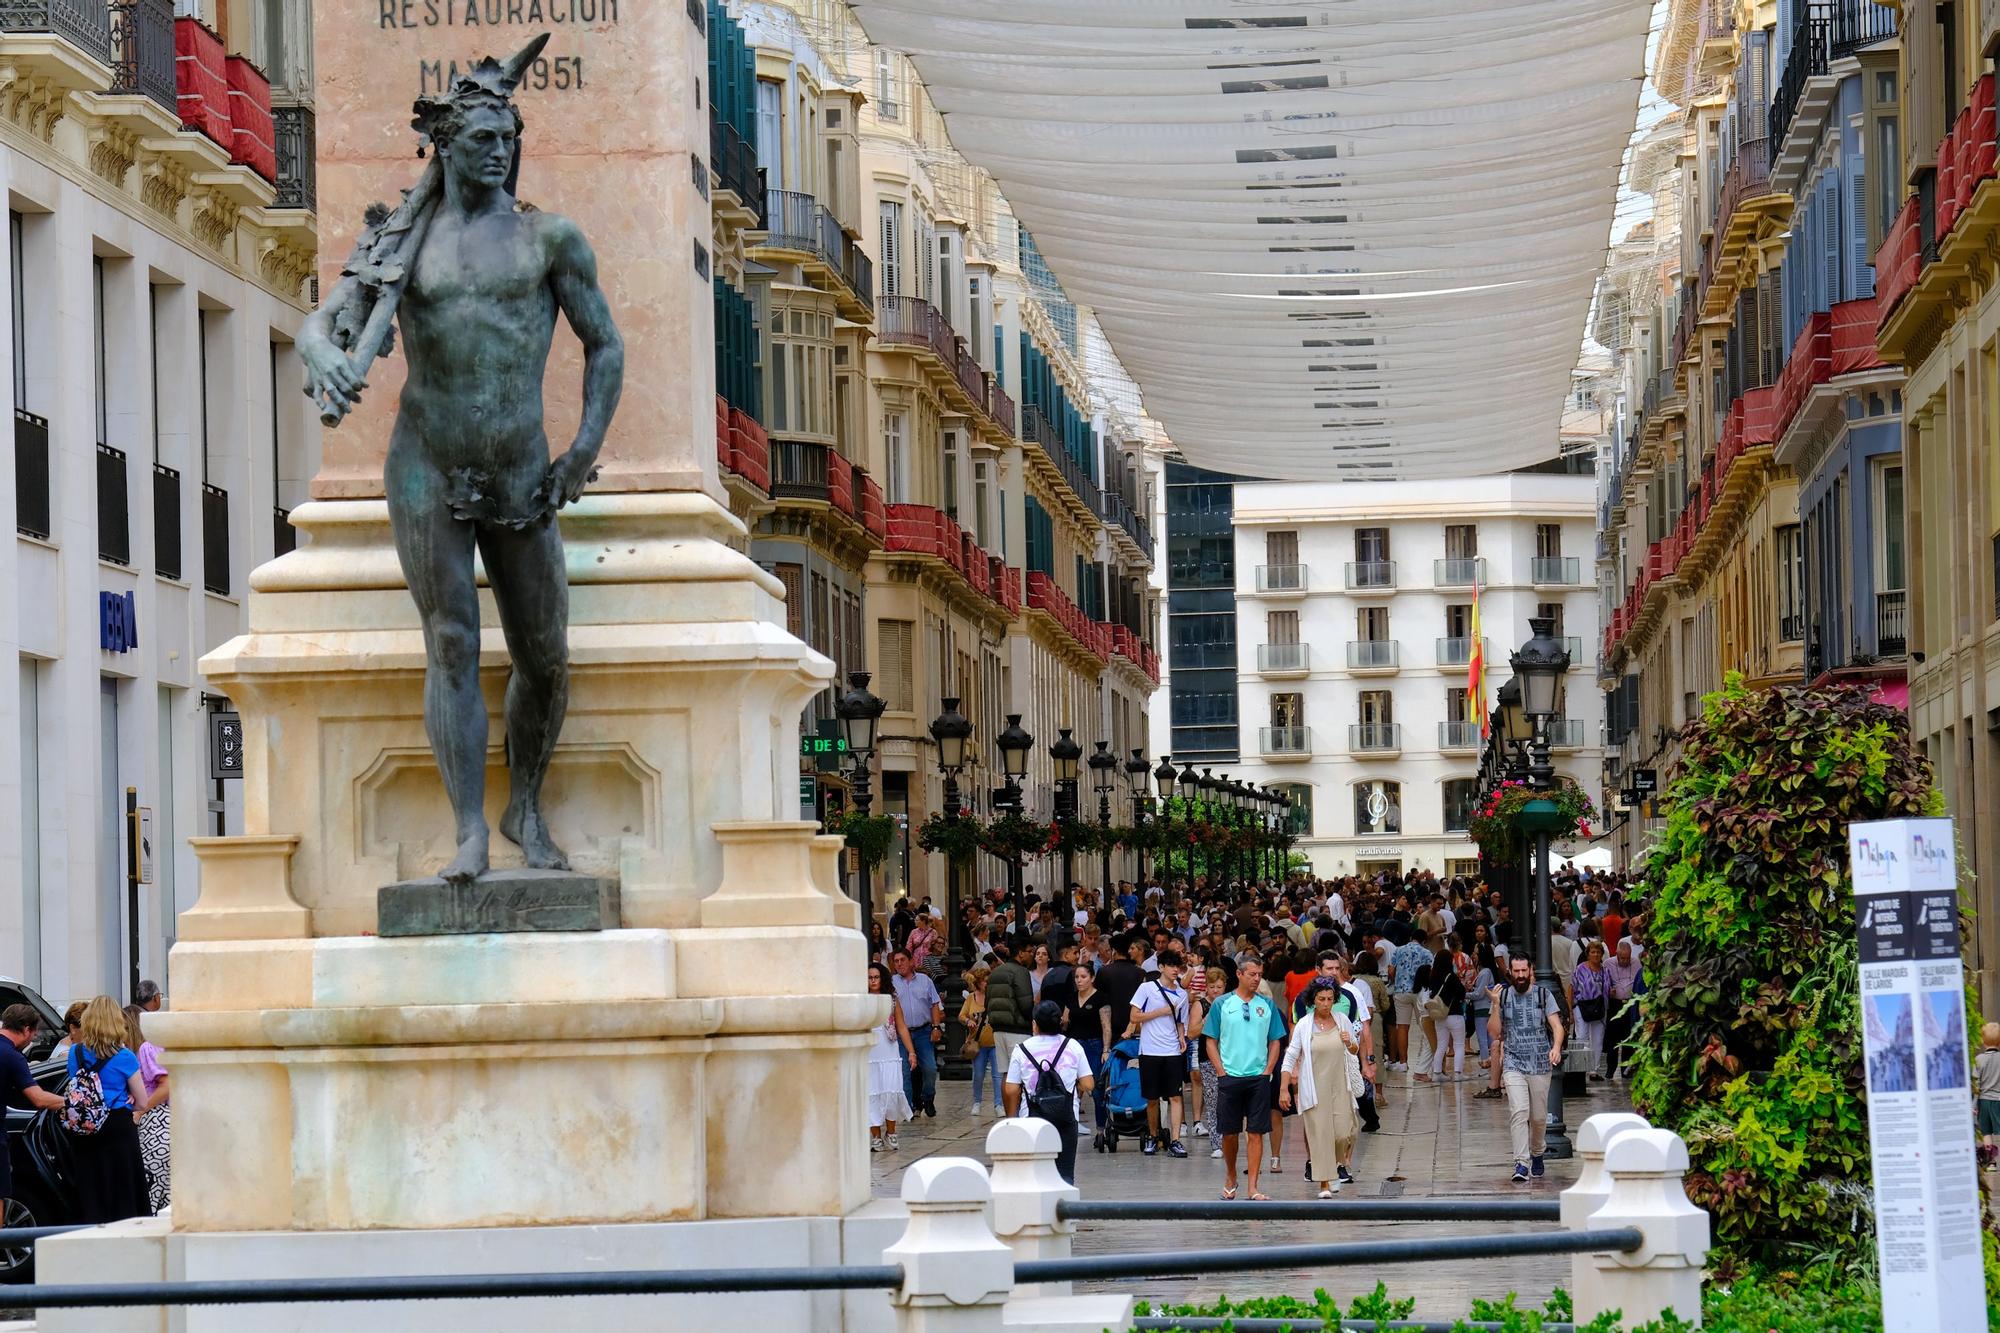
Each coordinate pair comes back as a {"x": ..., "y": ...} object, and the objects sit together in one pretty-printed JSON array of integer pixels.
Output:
[
  {"x": 859, "y": 712},
  {"x": 1189, "y": 783},
  {"x": 1138, "y": 772},
  {"x": 951, "y": 730},
  {"x": 1014, "y": 745},
  {"x": 1539, "y": 667},
  {"x": 1104, "y": 781},
  {"x": 1066, "y": 752}
]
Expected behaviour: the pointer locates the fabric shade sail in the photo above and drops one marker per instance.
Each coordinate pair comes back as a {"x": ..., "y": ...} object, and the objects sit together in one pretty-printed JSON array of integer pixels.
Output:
[{"x": 1330, "y": 239}]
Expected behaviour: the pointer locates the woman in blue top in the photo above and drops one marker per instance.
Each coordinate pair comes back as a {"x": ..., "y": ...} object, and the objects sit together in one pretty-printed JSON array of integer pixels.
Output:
[{"x": 110, "y": 1174}]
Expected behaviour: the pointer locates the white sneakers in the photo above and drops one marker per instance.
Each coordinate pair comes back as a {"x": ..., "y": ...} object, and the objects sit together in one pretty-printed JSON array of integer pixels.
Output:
[
  {"x": 977, "y": 1110},
  {"x": 1215, "y": 1152},
  {"x": 893, "y": 1142}
]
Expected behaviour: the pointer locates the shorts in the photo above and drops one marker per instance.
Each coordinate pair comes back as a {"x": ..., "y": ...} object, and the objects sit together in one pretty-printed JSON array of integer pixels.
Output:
[
  {"x": 1406, "y": 1007},
  {"x": 1243, "y": 1104},
  {"x": 1161, "y": 1076},
  {"x": 1989, "y": 1116}
]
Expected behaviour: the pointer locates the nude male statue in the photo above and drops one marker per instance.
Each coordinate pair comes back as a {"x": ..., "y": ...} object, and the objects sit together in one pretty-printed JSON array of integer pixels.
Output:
[{"x": 475, "y": 279}]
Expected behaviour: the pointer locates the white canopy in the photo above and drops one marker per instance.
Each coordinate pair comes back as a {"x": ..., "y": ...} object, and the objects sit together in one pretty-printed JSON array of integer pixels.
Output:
[{"x": 1330, "y": 239}]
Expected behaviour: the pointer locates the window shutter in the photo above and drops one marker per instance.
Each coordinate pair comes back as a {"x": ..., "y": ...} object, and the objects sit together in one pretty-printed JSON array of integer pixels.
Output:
[
  {"x": 892, "y": 248},
  {"x": 1772, "y": 337},
  {"x": 1829, "y": 221},
  {"x": 793, "y": 577},
  {"x": 894, "y": 648},
  {"x": 1860, "y": 274}
]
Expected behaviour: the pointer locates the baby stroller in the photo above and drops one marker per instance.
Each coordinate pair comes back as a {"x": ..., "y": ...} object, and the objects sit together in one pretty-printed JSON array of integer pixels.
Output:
[{"x": 1124, "y": 1103}]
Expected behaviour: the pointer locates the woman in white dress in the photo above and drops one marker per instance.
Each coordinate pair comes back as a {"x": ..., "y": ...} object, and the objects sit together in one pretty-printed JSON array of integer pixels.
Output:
[
  {"x": 1321, "y": 1069},
  {"x": 891, "y": 1054}
]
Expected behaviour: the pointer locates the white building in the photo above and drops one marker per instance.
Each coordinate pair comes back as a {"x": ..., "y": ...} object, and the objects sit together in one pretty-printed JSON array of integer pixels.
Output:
[
  {"x": 1354, "y": 631},
  {"x": 156, "y": 278}
]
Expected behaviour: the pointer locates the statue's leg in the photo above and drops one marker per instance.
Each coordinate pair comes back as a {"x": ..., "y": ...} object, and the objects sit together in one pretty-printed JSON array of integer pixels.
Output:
[
  {"x": 525, "y": 570},
  {"x": 436, "y": 553}
]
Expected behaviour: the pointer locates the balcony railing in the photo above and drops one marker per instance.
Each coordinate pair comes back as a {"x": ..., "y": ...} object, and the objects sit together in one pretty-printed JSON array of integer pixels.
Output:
[
  {"x": 1374, "y": 737},
  {"x": 85, "y": 23},
  {"x": 284, "y": 537},
  {"x": 1748, "y": 176},
  {"x": 166, "y": 522},
  {"x": 1458, "y": 736},
  {"x": 215, "y": 539},
  {"x": 1116, "y": 510},
  {"x": 1371, "y": 575},
  {"x": 1556, "y": 571},
  {"x": 735, "y": 163},
  {"x": 1574, "y": 647},
  {"x": 1566, "y": 734},
  {"x": 1460, "y": 573},
  {"x": 1281, "y": 578},
  {"x": 1859, "y": 23},
  {"x": 1807, "y": 60},
  {"x": 1454, "y": 652},
  {"x": 1892, "y": 623},
  {"x": 1792, "y": 628},
  {"x": 142, "y": 49},
  {"x": 800, "y": 471},
  {"x": 31, "y": 474},
  {"x": 1373, "y": 654},
  {"x": 1002, "y": 408},
  {"x": 1275, "y": 658},
  {"x": 1285, "y": 740},
  {"x": 911, "y": 321},
  {"x": 1037, "y": 430},
  {"x": 114, "y": 507},
  {"x": 796, "y": 221},
  {"x": 298, "y": 154}
]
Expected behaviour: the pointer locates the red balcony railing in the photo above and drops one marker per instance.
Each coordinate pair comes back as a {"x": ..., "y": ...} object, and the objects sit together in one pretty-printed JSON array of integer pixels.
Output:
[
  {"x": 741, "y": 446},
  {"x": 1044, "y": 595},
  {"x": 874, "y": 514},
  {"x": 922, "y": 530},
  {"x": 1854, "y": 335},
  {"x": 1898, "y": 260},
  {"x": 840, "y": 483}
]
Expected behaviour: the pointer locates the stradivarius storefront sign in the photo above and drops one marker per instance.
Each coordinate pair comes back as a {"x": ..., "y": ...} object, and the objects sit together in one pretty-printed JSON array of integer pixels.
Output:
[{"x": 1915, "y": 1039}]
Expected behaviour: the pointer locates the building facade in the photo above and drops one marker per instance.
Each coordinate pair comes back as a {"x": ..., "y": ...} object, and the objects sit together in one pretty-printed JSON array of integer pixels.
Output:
[
  {"x": 161, "y": 241},
  {"x": 1939, "y": 307},
  {"x": 1355, "y": 610}
]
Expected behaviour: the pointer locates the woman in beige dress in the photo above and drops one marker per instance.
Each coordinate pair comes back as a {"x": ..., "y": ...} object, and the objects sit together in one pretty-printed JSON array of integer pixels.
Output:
[{"x": 1321, "y": 1067}]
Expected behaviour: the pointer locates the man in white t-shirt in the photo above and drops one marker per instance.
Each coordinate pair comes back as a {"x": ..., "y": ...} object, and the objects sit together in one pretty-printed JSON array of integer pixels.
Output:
[
  {"x": 1159, "y": 1013},
  {"x": 1051, "y": 1047}
]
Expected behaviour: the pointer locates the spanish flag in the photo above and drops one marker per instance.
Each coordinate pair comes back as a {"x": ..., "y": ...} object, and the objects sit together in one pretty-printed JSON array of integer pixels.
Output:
[{"x": 1475, "y": 671}]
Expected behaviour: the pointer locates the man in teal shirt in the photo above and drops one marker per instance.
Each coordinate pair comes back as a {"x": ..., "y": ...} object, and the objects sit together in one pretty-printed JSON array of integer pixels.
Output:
[{"x": 1245, "y": 1035}]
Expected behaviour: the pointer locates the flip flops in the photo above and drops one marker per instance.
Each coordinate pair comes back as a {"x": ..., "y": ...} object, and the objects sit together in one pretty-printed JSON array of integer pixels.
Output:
[{"x": 1228, "y": 1193}]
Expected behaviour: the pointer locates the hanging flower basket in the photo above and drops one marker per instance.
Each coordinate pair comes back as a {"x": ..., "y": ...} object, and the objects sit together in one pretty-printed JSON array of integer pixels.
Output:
[
  {"x": 1016, "y": 837},
  {"x": 955, "y": 839},
  {"x": 1497, "y": 828},
  {"x": 870, "y": 835}
]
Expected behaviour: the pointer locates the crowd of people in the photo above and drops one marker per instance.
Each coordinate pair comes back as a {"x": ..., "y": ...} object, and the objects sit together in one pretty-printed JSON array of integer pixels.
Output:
[
  {"x": 1219, "y": 1014},
  {"x": 114, "y": 1110}
]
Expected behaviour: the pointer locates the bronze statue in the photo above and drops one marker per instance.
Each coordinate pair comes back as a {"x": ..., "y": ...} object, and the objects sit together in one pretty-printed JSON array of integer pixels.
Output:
[{"x": 476, "y": 278}]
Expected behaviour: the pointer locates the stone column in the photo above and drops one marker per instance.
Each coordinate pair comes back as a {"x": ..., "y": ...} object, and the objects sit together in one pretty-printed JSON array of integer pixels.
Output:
[
  {"x": 956, "y": 1272},
  {"x": 1027, "y": 1194},
  {"x": 1592, "y": 1186},
  {"x": 1645, "y": 1167}
]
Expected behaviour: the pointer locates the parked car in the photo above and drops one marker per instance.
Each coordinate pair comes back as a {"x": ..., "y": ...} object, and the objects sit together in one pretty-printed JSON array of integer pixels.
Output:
[{"x": 35, "y": 1142}]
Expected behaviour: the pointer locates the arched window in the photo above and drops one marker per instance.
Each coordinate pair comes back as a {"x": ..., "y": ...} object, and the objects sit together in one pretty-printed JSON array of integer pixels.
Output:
[
  {"x": 1460, "y": 797},
  {"x": 1378, "y": 807}
]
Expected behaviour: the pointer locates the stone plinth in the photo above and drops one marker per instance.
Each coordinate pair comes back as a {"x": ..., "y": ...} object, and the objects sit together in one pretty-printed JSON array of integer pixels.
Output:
[
  {"x": 616, "y": 114},
  {"x": 497, "y": 902}
]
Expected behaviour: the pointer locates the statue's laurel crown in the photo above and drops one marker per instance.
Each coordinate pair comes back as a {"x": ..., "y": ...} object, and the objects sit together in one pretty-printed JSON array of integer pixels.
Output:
[{"x": 490, "y": 82}]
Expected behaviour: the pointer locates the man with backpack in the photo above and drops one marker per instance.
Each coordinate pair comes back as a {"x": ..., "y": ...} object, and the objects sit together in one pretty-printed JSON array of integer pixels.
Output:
[
  {"x": 1046, "y": 1077},
  {"x": 1528, "y": 1026}
]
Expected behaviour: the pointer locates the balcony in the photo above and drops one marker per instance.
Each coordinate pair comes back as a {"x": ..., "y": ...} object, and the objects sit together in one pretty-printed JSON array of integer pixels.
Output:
[
  {"x": 1002, "y": 409},
  {"x": 1046, "y": 596},
  {"x": 1373, "y": 657},
  {"x": 284, "y": 537},
  {"x": 1792, "y": 628},
  {"x": 1284, "y": 659},
  {"x": 1282, "y": 743},
  {"x": 1459, "y": 573},
  {"x": 743, "y": 450},
  {"x": 1280, "y": 580},
  {"x": 1375, "y": 738},
  {"x": 142, "y": 49},
  {"x": 298, "y": 151},
  {"x": 1037, "y": 430},
  {"x": 1566, "y": 734},
  {"x": 798, "y": 224},
  {"x": 1573, "y": 646},
  {"x": 1459, "y": 736},
  {"x": 1118, "y": 513},
  {"x": 215, "y": 539},
  {"x": 1892, "y": 623},
  {"x": 1454, "y": 652},
  {"x": 736, "y": 169},
  {"x": 800, "y": 471},
  {"x": 114, "y": 512},
  {"x": 31, "y": 475},
  {"x": 1808, "y": 60},
  {"x": 1371, "y": 576},
  {"x": 166, "y": 522},
  {"x": 1748, "y": 178},
  {"x": 1555, "y": 571},
  {"x": 83, "y": 24},
  {"x": 1860, "y": 23}
]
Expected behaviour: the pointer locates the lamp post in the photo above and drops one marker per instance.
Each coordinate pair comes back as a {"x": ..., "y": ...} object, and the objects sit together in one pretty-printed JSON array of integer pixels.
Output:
[
  {"x": 1013, "y": 744},
  {"x": 1539, "y": 666},
  {"x": 859, "y": 711},
  {"x": 1065, "y": 752},
  {"x": 1137, "y": 773},
  {"x": 1238, "y": 817},
  {"x": 1104, "y": 781},
  {"x": 951, "y": 730},
  {"x": 1205, "y": 784},
  {"x": 1165, "y": 778},
  {"x": 1267, "y": 862},
  {"x": 1189, "y": 782}
]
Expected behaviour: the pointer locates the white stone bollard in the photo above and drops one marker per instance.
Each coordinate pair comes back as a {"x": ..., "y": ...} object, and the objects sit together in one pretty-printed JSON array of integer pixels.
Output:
[
  {"x": 1645, "y": 1167},
  {"x": 1592, "y": 1186},
  {"x": 956, "y": 1273},
  {"x": 1027, "y": 1190}
]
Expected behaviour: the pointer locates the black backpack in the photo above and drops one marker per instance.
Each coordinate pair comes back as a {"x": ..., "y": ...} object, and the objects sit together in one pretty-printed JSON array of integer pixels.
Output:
[{"x": 1050, "y": 1100}]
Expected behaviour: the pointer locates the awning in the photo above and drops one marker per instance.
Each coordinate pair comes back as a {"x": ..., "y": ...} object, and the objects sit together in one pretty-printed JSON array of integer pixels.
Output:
[{"x": 1330, "y": 239}]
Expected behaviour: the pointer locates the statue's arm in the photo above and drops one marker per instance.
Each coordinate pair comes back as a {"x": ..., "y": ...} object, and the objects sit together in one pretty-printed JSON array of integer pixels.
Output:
[
  {"x": 330, "y": 375},
  {"x": 574, "y": 274}
]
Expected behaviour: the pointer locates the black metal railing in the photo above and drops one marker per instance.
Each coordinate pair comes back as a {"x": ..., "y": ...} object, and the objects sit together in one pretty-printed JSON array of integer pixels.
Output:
[
  {"x": 215, "y": 539},
  {"x": 1308, "y": 1210},
  {"x": 735, "y": 163},
  {"x": 1792, "y": 628},
  {"x": 799, "y": 471},
  {"x": 166, "y": 522},
  {"x": 142, "y": 50},
  {"x": 298, "y": 152},
  {"x": 31, "y": 474},
  {"x": 1806, "y": 60},
  {"x": 114, "y": 507},
  {"x": 86, "y": 23},
  {"x": 1892, "y": 623},
  {"x": 1859, "y": 23},
  {"x": 284, "y": 537}
]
